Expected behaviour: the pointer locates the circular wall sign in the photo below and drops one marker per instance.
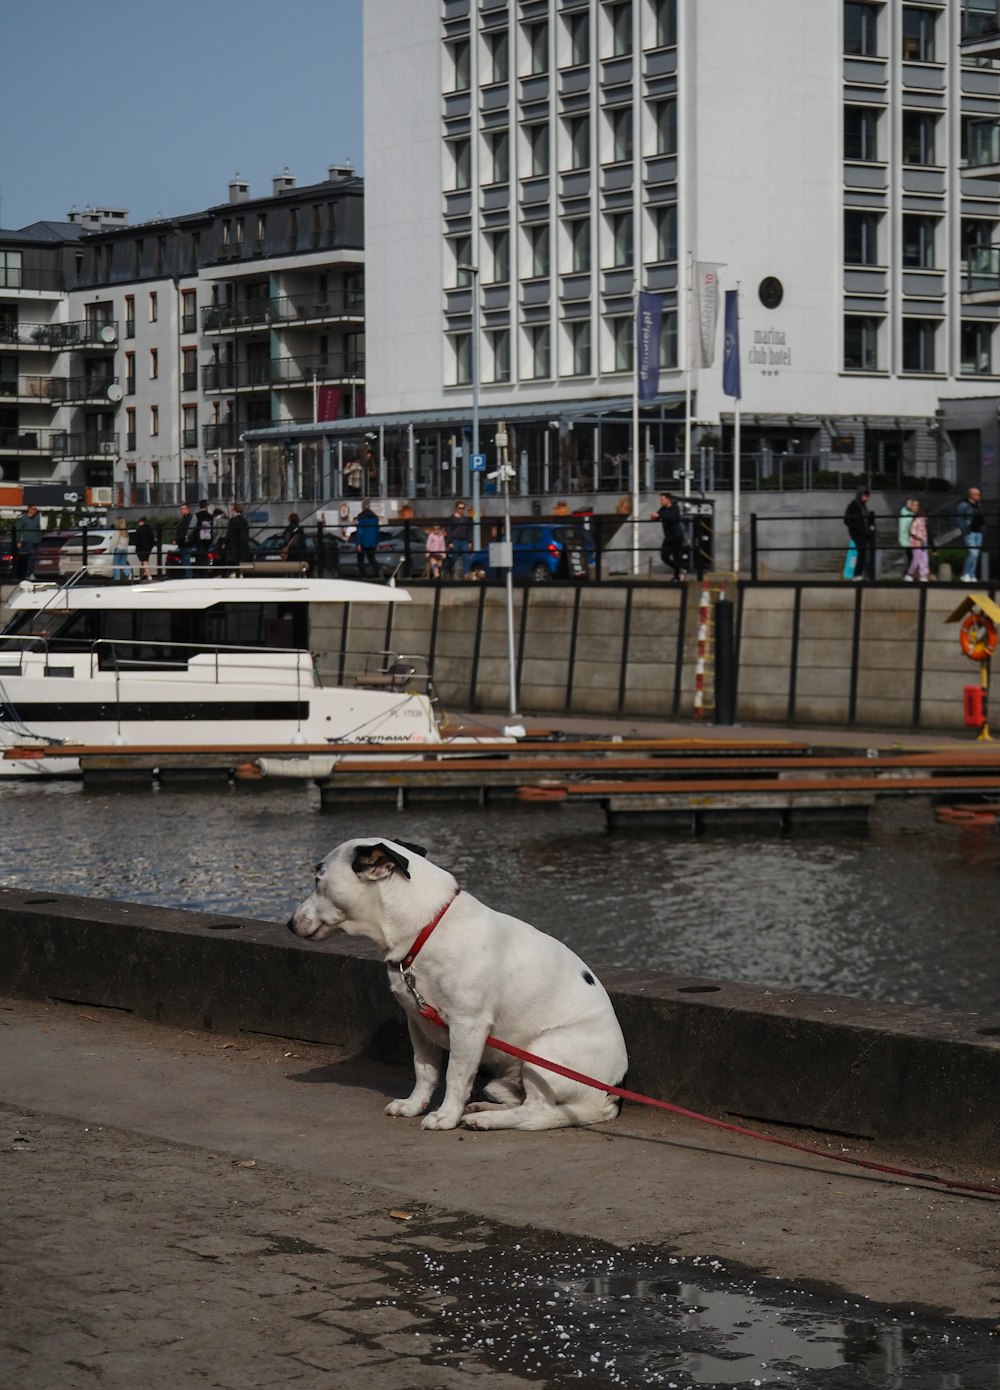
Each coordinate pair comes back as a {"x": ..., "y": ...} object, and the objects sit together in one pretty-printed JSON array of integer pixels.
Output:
[{"x": 771, "y": 291}]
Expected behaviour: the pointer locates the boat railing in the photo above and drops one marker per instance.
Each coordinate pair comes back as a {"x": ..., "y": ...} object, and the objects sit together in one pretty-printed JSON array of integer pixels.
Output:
[{"x": 395, "y": 671}]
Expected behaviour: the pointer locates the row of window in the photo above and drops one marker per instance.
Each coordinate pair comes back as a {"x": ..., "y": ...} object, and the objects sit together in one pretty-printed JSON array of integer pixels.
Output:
[
  {"x": 575, "y": 252},
  {"x": 862, "y": 340},
  {"x": 920, "y": 237},
  {"x": 862, "y": 22},
  {"x": 574, "y": 39},
  {"x": 980, "y": 137}
]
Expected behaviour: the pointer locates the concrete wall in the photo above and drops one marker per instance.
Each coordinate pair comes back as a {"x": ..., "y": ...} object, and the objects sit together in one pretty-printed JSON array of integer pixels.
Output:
[
  {"x": 876, "y": 656},
  {"x": 914, "y": 1077}
]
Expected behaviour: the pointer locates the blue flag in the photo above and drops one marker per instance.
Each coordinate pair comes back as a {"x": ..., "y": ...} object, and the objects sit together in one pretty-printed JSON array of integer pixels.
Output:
[
  {"x": 731, "y": 350},
  {"x": 648, "y": 322}
]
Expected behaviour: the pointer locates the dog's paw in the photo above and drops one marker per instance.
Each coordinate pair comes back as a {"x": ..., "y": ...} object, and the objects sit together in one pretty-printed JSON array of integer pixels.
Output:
[
  {"x": 437, "y": 1119},
  {"x": 405, "y": 1108}
]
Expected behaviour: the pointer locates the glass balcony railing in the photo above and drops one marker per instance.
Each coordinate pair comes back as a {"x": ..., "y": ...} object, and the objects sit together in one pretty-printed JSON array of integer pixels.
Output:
[
  {"x": 981, "y": 270},
  {"x": 982, "y": 145}
]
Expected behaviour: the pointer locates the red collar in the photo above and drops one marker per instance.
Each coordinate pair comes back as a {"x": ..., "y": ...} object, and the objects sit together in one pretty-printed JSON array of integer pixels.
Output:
[{"x": 425, "y": 932}]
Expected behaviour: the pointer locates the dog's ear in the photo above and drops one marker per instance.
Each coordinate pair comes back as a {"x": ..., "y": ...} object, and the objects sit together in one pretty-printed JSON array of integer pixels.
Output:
[
  {"x": 417, "y": 849},
  {"x": 379, "y": 861}
]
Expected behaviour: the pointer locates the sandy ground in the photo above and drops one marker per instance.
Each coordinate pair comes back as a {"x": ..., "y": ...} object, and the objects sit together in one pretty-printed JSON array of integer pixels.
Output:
[{"x": 185, "y": 1209}]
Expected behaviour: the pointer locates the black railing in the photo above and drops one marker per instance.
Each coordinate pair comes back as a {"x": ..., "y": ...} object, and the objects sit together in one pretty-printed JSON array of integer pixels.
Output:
[
  {"x": 301, "y": 308},
  {"x": 820, "y": 545},
  {"x": 59, "y": 336},
  {"x": 283, "y": 371}
]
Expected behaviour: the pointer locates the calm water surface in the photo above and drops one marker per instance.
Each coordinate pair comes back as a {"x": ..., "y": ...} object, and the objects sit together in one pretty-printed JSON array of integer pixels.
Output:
[{"x": 905, "y": 912}]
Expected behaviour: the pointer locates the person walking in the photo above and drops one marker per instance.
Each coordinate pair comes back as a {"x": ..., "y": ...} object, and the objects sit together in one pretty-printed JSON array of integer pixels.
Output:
[
  {"x": 366, "y": 539},
  {"x": 459, "y": 534},
  {"x": 184, "y": 536},
  {"x": 903, "y": 528},
  {"x": 203, "y": 534},
  {"x": 294, "y": 547},
  {"x": 28, "y": 534},
  {"x": 673, "y": 549},
  {"x": 435, "y": 549},
  {"x": 236, "y": 544},
  {"x": 145, "y": 542},
  {"x": 860, "y": 524},
  {"x": 919, "y": 567},
  {"x": 969, "y": 514},
  {"x": 121, "y": 570}
]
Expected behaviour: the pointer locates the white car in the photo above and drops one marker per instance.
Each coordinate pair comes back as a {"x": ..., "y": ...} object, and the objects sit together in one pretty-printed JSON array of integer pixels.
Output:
[{"x": 98, "y": 558}]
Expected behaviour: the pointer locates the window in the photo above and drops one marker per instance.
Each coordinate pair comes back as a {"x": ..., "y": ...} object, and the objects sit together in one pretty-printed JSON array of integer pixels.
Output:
[
  {"x": 578, "y": 27},
  {"x": 538, "y": 250},
  {"x": 189, "y": 426},
  {"x": 860, "y": 133},
  {"x": 497, "y": 56},
  {"x": 620, "y": 225},
  {"x": 579, "y": 347},
  {"x": 861, "y": 29},
  {"x": 130, "y": 440},
  {"x": 189, "y": 311},
  {"x": 499, "y": 251},
  {"x": 10, "y": 270},
  {"x": 664, "y": 23},
  {"x": 498, "y": 157},
  {"x": 918, "y": 137},
  {"x": 579, "y": 245},
  {"x": 261, "y": 236},
  {"x": 460, "y": 61},
  {"x": 918, "y": 35},
  {"x": 130, "y": 316},
  {"x": 154, "y": 306},
  {"x": 918, "y": 345},
  {"x": 538, "y": 148},
  {"x": 189, "y": 369},
  {"x": 461, "y": 250},
  {"x": 537, "y": 41},
  {"x": 154, "y": 419},
  {"x": 665, "y": 233},
  {"x": 978, "y": 256},
  {"x": 621, "y": 28},
  {"x": 499, "y": 347},
  {"x": 462, "y": 364},
  {"x": 668, "y": 342},
  {"x": 539, "y": 351},
  {"x": 578, "y": 130},
  {"x": 980, "y": 140},
  {"x": 665, "y": 124},
  {"x": 977, "y": 349},
  {"x": 861, "y": 238},
  {"x": 860, "y": 344},
  {"x": 130, "y": 374},
  {"x": 154, "y": 363},
  {"x": 918, "y": 241},
  {"x": 238, "y": 230},
  {"x": 623, "y": 344},
  {"x": 621, "y": 134},
  {"x": 461, "y": 164}
]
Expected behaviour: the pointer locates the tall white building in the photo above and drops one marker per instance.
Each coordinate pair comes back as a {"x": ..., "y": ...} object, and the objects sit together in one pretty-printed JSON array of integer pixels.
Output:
[{"x": 837, "y": 160}]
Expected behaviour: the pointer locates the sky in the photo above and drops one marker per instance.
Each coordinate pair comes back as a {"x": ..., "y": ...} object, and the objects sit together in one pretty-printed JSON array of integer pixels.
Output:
[{"x": 155, "y": 105}]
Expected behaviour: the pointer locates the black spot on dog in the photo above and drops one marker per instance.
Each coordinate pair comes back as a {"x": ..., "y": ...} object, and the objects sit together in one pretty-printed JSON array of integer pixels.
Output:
[{"x": 588, "y": 978}]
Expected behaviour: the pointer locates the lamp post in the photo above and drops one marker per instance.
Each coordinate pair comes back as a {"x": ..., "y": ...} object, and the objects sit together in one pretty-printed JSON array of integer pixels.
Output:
[
  {"x": 504, "y": 472},
  {"x": 473, "y": 273}
]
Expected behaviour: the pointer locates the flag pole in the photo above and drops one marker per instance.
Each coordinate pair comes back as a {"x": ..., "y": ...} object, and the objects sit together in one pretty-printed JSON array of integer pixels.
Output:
[
  {"x": 736, "y": 458},
  {"x": 732, "y": 386},
  {"x": 635, "y": 428},
  {"x": 686, "y": 465}
]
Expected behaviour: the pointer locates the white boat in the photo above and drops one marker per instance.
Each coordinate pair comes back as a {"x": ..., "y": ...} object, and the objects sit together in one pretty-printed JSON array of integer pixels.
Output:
[{"x": 191, "y": 663}]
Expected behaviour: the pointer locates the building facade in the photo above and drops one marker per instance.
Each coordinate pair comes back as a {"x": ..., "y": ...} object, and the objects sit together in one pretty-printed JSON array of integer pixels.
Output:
[
  {"x": 134, "y": 359},
  {"x": 836, "y": 162}
]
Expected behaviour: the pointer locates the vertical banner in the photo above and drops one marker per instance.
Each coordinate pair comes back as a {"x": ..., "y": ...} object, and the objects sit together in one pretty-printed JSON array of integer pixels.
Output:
[
  {"x": 328, "y": 403},
  {"x": 706, "y": 315},
  {"x": 731, "y": 350},
  {"x": 648, "y": 324}
]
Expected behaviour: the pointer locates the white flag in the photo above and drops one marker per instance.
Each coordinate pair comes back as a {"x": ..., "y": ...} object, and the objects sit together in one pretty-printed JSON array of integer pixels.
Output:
[{"x": 706, "y": 313}]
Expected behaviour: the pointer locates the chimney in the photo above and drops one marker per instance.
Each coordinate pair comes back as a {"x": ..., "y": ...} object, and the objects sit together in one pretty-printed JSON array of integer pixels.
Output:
[
  {"x": 281, "y": 183},
  {"x": 239, "y": 190},
  {"x": 337, "y": 173}
]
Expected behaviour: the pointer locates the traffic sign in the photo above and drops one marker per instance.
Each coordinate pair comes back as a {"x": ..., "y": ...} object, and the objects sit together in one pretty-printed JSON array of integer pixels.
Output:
[
  {"x": 683, "y": 472},
  {"x": 477, "y": 463}
]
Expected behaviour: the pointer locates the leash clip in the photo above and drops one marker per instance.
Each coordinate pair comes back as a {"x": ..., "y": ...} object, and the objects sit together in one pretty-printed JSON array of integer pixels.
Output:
[{"x": 411, "y": 985}]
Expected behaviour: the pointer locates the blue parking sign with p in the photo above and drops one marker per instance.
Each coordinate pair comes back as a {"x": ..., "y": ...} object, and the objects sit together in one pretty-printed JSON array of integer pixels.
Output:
[{"x": 477, "y": 463}]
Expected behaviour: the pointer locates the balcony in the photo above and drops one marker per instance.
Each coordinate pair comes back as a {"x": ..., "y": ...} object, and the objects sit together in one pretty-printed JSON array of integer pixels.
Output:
[
  {"x": 58, "y": 337},
  {"x": 282, "y": 372},
  {"x": 315, "y": 307},
  {"x": 981, "y": 275},
  {"x": 981, "y": 29},
  {"x": 58, "y": 390},
  {"x": 982, "y": 154}
]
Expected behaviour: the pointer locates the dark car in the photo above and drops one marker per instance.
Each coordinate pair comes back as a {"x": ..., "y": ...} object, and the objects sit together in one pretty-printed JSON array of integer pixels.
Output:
[
  {"x": 269, "y": 548},
  {"x": 542, "y": 551},
  {"x": 8, "y": 558},
  {"x": 48, "y": 554}
]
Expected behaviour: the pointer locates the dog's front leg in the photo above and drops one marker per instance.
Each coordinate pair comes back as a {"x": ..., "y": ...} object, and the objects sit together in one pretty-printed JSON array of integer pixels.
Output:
[
  {"x": 466, "y": 1044},
  {"x": 426, "y": 1072}
]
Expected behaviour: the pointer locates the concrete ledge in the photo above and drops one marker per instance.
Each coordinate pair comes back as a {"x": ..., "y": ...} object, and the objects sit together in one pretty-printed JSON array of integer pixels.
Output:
[{"x": 918, "y": 1078}]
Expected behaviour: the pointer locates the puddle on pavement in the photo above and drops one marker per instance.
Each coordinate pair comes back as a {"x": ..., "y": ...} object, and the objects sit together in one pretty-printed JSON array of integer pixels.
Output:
[{"x": 599, "y": 1317}]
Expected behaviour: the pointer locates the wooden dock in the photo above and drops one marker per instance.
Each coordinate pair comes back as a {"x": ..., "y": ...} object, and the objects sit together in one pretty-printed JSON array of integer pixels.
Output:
[{"x": 684, "y": 783}]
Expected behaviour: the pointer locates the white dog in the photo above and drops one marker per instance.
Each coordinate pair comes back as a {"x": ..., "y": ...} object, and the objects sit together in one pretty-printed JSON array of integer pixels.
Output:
[{"x": 485, "y": 974}]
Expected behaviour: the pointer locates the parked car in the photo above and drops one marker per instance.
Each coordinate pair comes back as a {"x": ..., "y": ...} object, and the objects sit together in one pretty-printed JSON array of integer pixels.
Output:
[
  {"x": 8, "y": 559},
  {"x": 542, "y": 551},
  {"x": 390, "y": 552},
  {"x": 48, "y": 551},
  {"x": 97, "y": 558},
  {"x": 269, "y": 548}
]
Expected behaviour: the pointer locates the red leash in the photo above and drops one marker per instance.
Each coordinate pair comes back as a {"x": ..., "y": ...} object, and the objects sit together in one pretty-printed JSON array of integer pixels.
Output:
[{"x": 429, "y": 1012}]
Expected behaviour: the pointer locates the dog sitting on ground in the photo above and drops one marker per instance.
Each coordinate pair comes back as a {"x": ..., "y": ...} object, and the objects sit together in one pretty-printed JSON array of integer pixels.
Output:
[{"x": 484, "y": 973}]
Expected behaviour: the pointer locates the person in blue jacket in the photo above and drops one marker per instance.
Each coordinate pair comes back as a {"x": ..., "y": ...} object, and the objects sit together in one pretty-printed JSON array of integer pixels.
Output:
[{"x": 366, "y": 538}]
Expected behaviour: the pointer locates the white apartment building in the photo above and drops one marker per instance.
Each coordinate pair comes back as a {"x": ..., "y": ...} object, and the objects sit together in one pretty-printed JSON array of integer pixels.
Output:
[{"x": 530, "y": 163}]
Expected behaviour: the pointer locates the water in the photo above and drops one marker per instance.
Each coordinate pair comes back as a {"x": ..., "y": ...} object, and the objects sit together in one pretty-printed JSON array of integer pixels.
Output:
[{"x": 904, "y": 912}]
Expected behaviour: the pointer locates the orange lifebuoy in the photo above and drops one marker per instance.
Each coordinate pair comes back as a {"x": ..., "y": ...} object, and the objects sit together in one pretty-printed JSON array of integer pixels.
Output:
[{"x": 978, "y": 636}]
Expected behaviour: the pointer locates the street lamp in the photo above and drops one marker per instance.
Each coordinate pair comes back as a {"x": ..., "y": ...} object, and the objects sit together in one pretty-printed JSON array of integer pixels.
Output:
[
  {"x": 473, "y": 273},
  {"x": 503, "y": 555}
]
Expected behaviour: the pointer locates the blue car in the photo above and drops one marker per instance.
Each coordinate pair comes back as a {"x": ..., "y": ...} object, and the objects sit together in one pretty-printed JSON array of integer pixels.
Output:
[{"x": 542, "y": 551}]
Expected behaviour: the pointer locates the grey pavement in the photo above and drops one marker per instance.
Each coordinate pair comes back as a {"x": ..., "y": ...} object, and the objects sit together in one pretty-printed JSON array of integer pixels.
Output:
[{"x": 189, "y": 1209}]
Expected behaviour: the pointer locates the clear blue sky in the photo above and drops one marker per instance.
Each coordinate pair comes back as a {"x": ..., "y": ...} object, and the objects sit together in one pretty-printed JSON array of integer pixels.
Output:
[{"x": 154, "y": 105}]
